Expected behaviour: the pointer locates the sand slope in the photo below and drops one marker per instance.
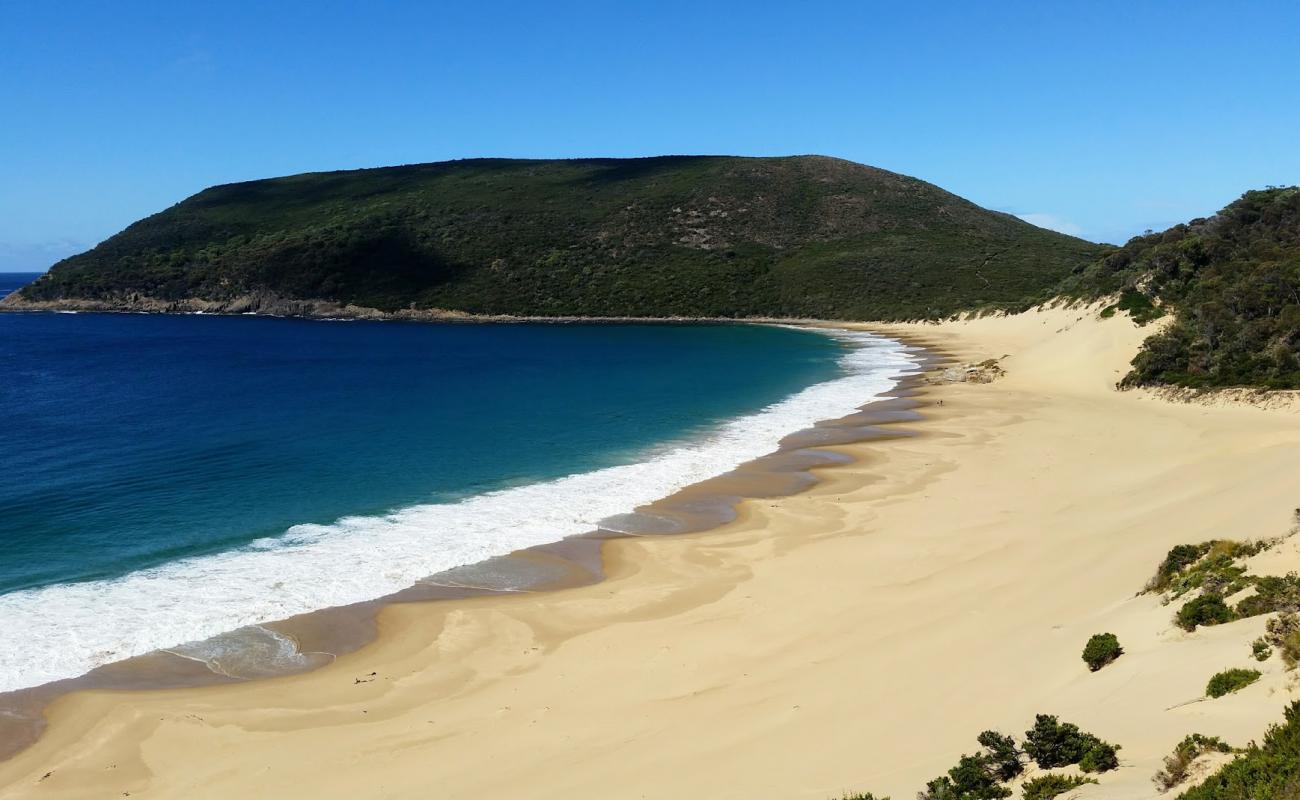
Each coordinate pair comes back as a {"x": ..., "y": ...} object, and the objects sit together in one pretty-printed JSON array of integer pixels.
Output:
[{"x": 855, "y": 637}]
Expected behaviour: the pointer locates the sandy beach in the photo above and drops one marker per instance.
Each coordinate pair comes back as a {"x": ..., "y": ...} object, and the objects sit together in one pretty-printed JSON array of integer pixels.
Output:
[{"x": 857, "y": 636}]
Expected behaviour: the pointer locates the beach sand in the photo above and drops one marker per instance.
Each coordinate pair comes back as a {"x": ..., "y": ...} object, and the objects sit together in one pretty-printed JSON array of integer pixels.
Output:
[{"x": 857, "y": 636}]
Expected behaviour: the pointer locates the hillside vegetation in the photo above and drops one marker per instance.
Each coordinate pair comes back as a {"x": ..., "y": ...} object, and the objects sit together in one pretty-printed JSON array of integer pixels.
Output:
[
  {"x": 1270, "y": 771},
  {"x": 1232, "y": 283},
  {"x": 801, "y": 236}
]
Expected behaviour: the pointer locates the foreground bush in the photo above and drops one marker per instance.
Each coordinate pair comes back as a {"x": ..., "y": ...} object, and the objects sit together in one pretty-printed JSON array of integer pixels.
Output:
[
  {"x": 1046, "y": 787},
  {"x": 1188, "y": 750},
  {"x": 1208, "y": 609},
  {"x": 1101, "y": 649},
  {"x": 1231, "y": 680},
  {"x": 1268, "y": 772}
]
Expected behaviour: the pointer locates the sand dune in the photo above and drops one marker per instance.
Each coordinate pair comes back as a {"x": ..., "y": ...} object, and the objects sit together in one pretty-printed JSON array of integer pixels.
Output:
[{"x": 857, "y": 636}]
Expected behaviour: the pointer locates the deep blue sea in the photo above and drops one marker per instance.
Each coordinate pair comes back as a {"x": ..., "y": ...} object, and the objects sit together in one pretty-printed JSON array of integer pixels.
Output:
[{"x": 167, "y": 478}]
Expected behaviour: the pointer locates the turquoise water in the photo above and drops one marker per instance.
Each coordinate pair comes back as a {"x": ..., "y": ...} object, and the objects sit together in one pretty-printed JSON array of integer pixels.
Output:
[
  {"x": 169, "y": 477},
  {"x": 134, "y": 440}
]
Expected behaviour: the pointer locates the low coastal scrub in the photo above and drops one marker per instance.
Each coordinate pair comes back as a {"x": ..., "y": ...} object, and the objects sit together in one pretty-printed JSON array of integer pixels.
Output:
[
  {"x": 1100, "y": 757},
  {"x": 1002, "y": 754},
  {"x": 1178, "y": 765},
  {"x": 1176, "y": 560},
  {"x": 974, "y": 778},
  {"x": 1051, "y": 743},
  {"x": 986, "y": 774},
  {"x": 1208, "y": 609},
  {"x": 1209, "y": 567},
  {"x": 1272, "y": 593},
  {"x": 1260, "y": 649},
  {"x": 1230, "y": 680},
  {"x": 1101, "y": 649},
  {"x": 1263, "y": 772},
  {"x": 1214, "y": 569},
  {"x": 1046, "y": 787}
]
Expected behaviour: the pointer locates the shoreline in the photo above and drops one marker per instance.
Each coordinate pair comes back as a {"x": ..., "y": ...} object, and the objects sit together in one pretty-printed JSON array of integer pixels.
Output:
[
  {"x": 567, "y": 563},
  {"x": 855, "y": 636},
  {"x": 273, "y": 306}
]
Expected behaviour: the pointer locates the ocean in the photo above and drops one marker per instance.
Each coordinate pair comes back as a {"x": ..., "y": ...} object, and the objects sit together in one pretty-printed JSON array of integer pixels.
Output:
[{"x": 164, "y": 479}]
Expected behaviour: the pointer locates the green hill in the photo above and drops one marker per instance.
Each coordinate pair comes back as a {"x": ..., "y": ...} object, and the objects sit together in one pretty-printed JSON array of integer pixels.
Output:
[
  {"x": 1232, "y": 282},
  {"x": 803, "y": 236}
]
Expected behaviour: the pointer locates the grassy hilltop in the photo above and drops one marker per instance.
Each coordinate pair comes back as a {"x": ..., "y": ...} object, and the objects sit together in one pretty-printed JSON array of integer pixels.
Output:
[{"x": 804, "y": 236}]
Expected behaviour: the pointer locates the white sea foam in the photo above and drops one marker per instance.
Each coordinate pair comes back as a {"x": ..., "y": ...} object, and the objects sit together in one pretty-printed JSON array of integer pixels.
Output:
[{"x": 65, "y": 630}]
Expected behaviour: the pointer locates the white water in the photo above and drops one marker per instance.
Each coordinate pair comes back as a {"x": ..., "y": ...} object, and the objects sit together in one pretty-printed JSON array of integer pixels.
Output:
[{"x": 65, "y": 630}]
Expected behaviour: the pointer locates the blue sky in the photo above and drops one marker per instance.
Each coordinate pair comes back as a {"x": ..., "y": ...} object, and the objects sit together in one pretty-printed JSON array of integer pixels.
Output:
[{"x": 1098, "y": 118}]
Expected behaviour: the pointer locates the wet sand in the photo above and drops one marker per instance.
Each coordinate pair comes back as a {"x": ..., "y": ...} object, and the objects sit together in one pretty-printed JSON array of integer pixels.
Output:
[{"x": 324, "y": 635}]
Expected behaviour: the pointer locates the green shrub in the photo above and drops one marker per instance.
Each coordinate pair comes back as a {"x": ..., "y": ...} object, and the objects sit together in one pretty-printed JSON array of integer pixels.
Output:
[
  {"x": 1053, "y": 744},
  {"x": 1101, "y": 649},
  {"x": 972, "y": 779},
  {"x": 1188, "y": 750},
  {"x": 1208, "y": 609},
  {"x": 1260, "y": 649},
  {"x": 1100, "y": 757},
  {"x": 861, "y": 796},
  {"x": 1178, "y": 559},
  {"x": 1046, "y": 787},
  {"x": 1217, "y": 572},
  {"x": 1267, "y": 772},
  {"x": 1272, "y": 594},
  {"x": 1211, "y": 567},
  {"x": 1138, "y": 305},
  {"x": 1002, "y": 754},
  {"x": 1059, "y": 744},
  {"x": 1049, "y": 742},
  {"x": 1231, "y": 680}
]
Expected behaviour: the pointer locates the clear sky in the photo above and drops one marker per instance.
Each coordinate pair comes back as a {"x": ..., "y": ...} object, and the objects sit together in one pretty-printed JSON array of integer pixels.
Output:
[{"x": 1097, "y": 118}]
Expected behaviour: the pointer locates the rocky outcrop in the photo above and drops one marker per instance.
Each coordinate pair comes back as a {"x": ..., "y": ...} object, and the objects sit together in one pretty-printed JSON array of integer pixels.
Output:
[{"x": 258, "y": 303}]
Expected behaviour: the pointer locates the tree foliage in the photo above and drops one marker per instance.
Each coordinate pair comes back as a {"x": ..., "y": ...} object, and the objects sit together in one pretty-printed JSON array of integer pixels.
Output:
[{"x": 1233, "y": 283}]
